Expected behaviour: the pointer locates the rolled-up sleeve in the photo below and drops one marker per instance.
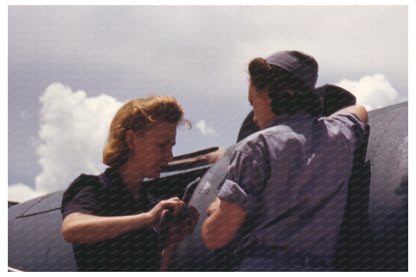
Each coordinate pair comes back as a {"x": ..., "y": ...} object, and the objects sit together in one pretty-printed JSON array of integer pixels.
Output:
[
  {"x": 244, "y": 182},
  {"x": 232, "y": 192},
  {"x": 351, "y": 126}
]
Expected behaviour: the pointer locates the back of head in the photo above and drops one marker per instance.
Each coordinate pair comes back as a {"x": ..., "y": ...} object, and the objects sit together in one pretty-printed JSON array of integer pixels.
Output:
[
  {"x": 138, "y": 115},
  {"x": 290, "y": 77},
  {"x": 334, "y": 98}
]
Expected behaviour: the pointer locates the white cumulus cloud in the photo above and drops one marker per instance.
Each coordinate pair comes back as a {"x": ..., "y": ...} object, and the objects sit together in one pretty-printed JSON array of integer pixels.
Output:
[
  {"x": 73, "y": 131},
  {"x": 21, "y": 192},
  {"x": 205, "y": 129},
  {"x": 373, "y": 91}
]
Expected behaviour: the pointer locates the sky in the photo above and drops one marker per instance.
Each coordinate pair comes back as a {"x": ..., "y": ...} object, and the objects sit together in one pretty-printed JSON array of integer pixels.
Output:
[{"x": 71, "y": 67}]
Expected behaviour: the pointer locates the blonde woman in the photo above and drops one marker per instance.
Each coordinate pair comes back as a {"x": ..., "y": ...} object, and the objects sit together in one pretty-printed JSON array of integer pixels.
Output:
[{"x": 108, "y": 218}]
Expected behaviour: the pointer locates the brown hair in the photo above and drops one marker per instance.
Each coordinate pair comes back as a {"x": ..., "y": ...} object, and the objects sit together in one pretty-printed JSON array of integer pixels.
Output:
[
  {"x": 287, "y": 92},
  {"x": 138, "y": 115}
]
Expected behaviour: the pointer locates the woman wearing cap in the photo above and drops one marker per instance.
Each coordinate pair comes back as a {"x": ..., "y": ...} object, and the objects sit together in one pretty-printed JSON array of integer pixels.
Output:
[
  {"x": 282, "y": 201},
  {"x": 110, "y": 219}
]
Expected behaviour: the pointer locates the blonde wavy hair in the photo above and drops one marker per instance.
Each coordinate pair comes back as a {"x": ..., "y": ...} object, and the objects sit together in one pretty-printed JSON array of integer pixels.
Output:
[{"x": 138, "y": 115}]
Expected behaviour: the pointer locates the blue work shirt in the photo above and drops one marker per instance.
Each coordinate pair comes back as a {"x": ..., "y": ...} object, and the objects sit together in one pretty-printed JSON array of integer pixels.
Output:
[{"x": 291, "y": 179}]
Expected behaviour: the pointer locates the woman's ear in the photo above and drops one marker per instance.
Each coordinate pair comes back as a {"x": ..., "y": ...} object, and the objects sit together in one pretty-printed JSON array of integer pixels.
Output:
[
  {"x": 130, "y": 135},
  {"x": 265, "y": 95},
  {"x": 264, "y": 92}
]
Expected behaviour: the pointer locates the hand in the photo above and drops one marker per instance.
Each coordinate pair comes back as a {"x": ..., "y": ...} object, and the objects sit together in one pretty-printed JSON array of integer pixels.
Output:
[
  {"x": 214, "y": 206},
  {"x": 178, "y": 230},
  {"x": 161, "y": 209}
]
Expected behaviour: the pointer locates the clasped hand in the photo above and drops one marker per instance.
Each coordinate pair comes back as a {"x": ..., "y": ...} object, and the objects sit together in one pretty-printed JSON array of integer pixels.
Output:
[{"x": 180, "y": 227}]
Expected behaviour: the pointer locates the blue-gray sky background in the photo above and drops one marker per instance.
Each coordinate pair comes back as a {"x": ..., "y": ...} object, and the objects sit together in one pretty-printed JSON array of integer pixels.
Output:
[{"x": 71, "y": 67}]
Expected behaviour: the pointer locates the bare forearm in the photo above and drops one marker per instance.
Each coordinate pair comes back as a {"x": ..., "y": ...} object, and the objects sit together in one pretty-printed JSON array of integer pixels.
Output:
[
  {"x": 359, "y": 111},
  {"x": 84, "y": 228},
  {"x": 167, "y": 256},
  {"x": 222, "y": 225},
  {"x": 212, "y": 238}
]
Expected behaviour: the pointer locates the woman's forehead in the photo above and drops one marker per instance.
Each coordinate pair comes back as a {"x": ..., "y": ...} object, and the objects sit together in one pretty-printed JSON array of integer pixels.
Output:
[{"x": 162, "y": 129}]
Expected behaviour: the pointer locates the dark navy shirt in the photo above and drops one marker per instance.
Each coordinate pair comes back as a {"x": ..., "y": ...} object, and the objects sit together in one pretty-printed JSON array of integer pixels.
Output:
[
  {"x": 291, "y": 179},
  {"x": 107, "y": 195}
]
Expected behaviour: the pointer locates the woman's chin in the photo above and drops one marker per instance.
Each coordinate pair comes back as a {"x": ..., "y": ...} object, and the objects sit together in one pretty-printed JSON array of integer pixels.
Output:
[{"x": 154, "y": 175}]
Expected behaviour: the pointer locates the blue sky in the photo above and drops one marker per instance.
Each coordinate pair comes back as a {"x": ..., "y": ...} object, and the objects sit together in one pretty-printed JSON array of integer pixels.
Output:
[{"x": 71, "y": 67}]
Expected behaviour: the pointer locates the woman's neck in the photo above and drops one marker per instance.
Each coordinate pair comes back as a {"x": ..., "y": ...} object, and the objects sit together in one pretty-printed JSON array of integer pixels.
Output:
[{"x": 132, "y": 179}]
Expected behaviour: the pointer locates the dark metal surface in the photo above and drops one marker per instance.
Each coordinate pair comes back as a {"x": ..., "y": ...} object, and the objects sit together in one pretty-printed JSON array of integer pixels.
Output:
[
  {"x": 388, "y": 205},
  {"x": 35, "y": 240}
]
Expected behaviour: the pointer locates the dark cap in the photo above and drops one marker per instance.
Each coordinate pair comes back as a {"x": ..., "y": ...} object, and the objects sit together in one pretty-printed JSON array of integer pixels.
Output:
[{"x": 301, "y": 65}]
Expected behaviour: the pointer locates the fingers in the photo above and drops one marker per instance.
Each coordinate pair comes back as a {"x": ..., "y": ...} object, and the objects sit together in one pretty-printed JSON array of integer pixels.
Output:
[
  {"x": 174, "y": 206},
  {"x": 213, "y": 207},
  {"x": 180, "y": 229},
  {"x": 175, "y": 203}
]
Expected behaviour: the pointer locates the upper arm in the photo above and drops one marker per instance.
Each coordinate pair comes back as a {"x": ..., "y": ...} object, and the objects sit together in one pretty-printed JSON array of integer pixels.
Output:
[
  {"x": 239, "y": 193},
  {"x": 359, "y": 111},
  {"x": 80, "y": 197},
  {"x": 221, "y": 227}
]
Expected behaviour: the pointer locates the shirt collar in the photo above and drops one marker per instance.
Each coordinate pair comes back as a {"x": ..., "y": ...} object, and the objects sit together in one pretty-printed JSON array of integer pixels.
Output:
[{"x": 113, "y": 174}]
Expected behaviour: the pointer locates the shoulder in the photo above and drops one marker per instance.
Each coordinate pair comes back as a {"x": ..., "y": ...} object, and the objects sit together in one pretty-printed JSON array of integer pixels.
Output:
[
  {"x": 83, "y": 182},
  {"x": 346, "y": 123},
  {"x": 258, "y": 145}
]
